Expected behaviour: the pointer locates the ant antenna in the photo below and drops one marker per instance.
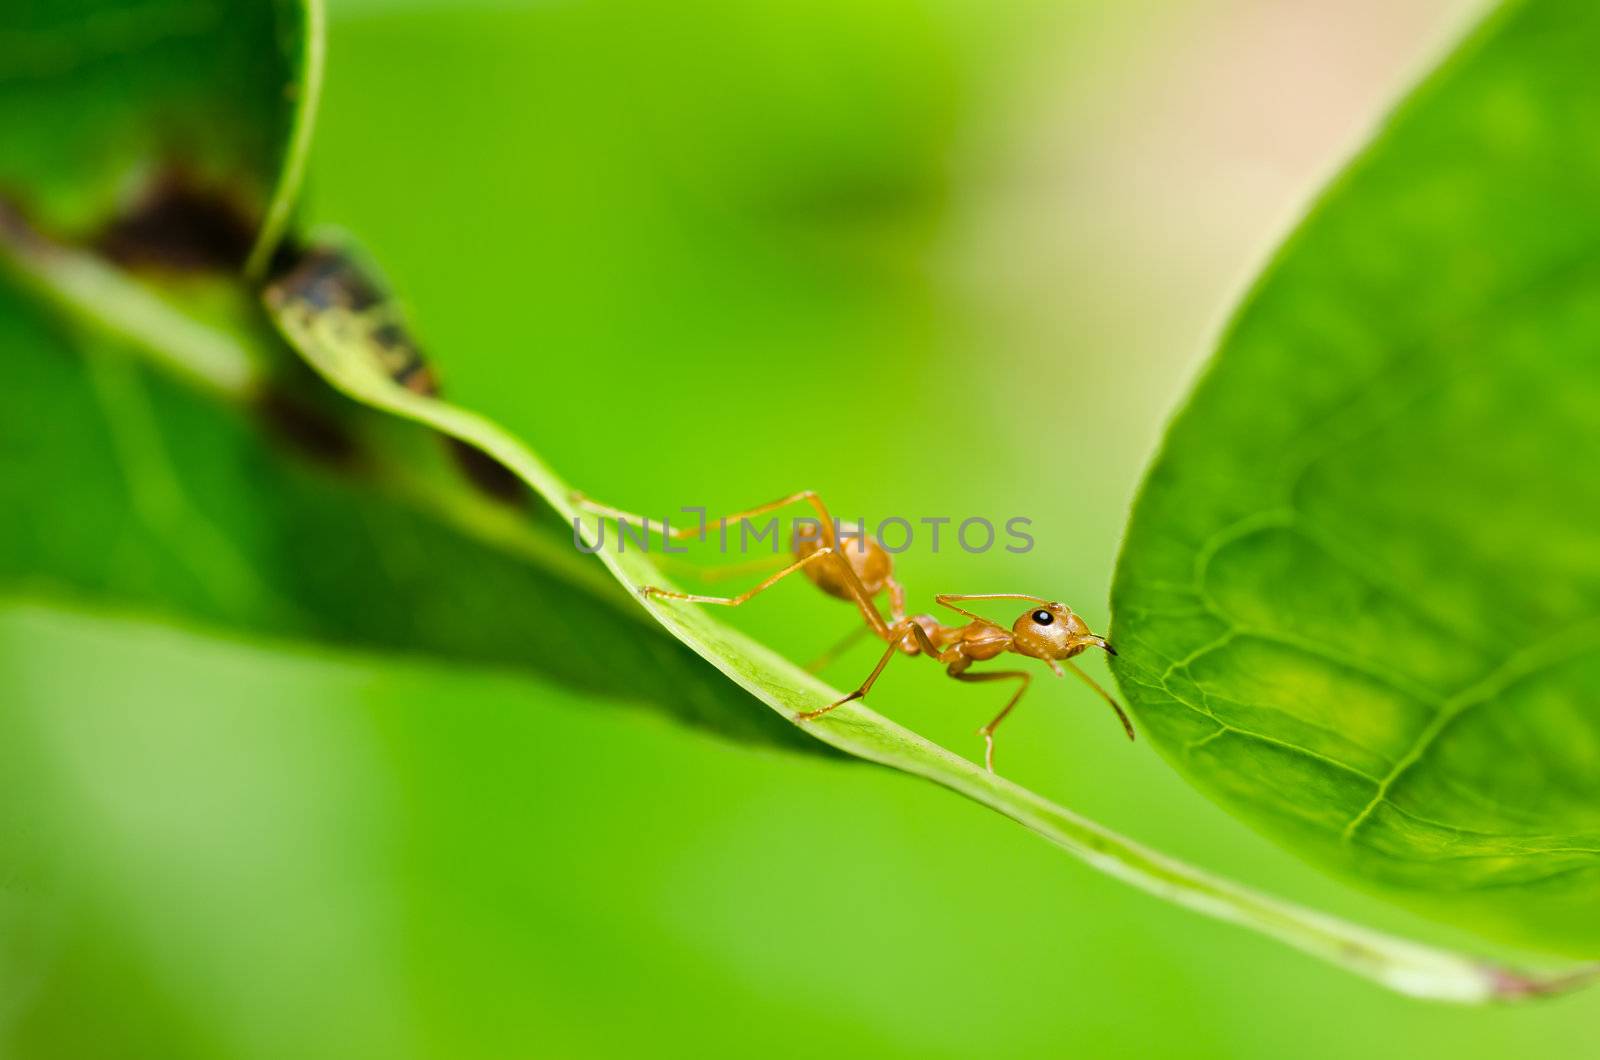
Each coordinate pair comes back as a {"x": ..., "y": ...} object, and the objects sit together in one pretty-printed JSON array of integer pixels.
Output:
[{"x": 1127, "y": 726}]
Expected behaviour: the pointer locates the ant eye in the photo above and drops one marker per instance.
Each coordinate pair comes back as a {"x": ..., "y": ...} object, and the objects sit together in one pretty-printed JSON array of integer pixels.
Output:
[{"x": 1042, "y": 617}]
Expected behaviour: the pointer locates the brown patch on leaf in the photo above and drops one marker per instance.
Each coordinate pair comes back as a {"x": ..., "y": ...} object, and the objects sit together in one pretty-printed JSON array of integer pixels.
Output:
[
  {"x": 179, "y": 224},
  {"x": 324, "y": 279},
  {"x": 307, "y": 429},
  {"x": 489, "y": 475}
]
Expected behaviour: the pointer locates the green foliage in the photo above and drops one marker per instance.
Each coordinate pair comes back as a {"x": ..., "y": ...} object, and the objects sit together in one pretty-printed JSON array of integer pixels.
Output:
[
  {"x": 231, "y": 489},
  {"x": 337, "y": 341},
  {"x": 106, "y": 105},
  {"x": 1358, "y": 599},
  {"x": 213, "y": 478}
]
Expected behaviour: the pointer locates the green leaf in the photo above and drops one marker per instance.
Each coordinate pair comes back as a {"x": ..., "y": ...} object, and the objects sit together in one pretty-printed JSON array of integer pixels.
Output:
[
  {"x": 227, "y": 487},
  {"x": 337, "y": 340},
  {"x": 131, "y": 489},
  {"x": 1359, "y": 599},
  {"x": 130, "y": 125}
]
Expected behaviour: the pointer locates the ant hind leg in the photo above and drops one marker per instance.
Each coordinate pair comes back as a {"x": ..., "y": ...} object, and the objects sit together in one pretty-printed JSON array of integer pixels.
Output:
[
  {"x": 851, "y": 579},
  {"x": 734, "y": 601},
  {"x": 594, "y": 507},
  {"x": 845, "y": 643}
]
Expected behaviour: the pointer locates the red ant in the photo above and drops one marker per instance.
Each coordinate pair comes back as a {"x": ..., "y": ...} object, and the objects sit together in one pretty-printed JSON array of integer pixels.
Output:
[{"x": 855, "y": 568}]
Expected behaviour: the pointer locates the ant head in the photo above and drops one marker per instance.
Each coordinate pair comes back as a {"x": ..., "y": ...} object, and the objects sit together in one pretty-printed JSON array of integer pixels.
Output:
[{"x": 1051, "y": 631}]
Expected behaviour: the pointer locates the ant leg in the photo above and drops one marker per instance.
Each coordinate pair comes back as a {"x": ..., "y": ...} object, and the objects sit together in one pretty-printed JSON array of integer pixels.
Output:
[
  {"x": 926, "y": 645},
  {"x": 735, "y": 601},
  {"x": 844, "y": 645},
  {"x": 863, "y": 601},
  {"x": 721, "y": 571},
  {"x": 1127, "y": 726},
  {"x": 897, "y": 599},
  {"x": 594, "y": 507},
  {"x": 865, "y": 686},
  {"x": 987, "y": 732},
  {"x": 858, "y": 592}
]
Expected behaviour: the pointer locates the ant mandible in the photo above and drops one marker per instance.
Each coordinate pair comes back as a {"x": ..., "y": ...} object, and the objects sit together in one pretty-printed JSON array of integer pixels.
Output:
[{"x": 854, "y": 568}]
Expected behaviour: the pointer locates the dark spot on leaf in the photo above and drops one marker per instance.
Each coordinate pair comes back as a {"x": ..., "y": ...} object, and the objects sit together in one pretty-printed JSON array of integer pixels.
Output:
[
  {"x": 179, "y": 224},
  {"x": 308, "y": 429},
  {"x": 389, "y": 335},
  {"x": 284, "y": 256},
  {"x": 486, "y": 473},
  {"x": 327, "y": 280},
  {"x": 407, "y": 368}
]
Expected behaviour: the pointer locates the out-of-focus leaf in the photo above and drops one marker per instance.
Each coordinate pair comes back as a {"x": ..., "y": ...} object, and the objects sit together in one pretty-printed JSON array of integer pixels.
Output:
[
  {"x": 156, "y": 130},
  {"x": 149, "y": 145},
  {"x": 124, "y": 487},
  {"x": 1359, "y": 601}
]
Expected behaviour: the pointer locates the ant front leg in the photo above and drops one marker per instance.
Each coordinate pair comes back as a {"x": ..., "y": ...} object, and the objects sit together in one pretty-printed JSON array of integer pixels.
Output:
[{"x": 987, "y": 732}]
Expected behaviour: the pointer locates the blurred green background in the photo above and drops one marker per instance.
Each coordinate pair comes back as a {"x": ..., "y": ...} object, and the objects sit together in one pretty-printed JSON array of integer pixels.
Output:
[{"x": 709, "y": 253}]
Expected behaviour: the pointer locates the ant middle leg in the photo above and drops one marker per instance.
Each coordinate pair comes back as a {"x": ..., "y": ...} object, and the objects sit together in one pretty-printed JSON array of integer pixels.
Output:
[{"x": 987, "y": 732}]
